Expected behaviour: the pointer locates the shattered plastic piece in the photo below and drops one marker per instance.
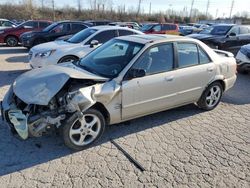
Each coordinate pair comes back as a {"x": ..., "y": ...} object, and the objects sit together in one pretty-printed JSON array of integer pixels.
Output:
[{"x": 19, "y": 120}]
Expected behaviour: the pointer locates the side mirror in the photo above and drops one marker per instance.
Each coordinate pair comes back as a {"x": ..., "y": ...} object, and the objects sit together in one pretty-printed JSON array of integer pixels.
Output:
[
  {"x": 94, "y": 43},
  {"x": 135, "y": 73},
  {"x": 232, "y": 34}
]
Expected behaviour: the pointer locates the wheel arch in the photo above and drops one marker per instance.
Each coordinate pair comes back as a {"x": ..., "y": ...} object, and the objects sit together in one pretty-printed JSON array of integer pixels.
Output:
[
  {"x": 100, "y": 107},
  {"x": 11, "y": 35},
  {"x": 67, "y": 56}
]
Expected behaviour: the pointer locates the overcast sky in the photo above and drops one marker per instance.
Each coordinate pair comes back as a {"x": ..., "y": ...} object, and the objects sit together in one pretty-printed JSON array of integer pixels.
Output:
[{"x": 222, "y": 7}]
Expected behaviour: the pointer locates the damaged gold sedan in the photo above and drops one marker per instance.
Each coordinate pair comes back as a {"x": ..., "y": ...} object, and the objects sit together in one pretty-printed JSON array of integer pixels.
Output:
[{"x": 125, "y": 78}]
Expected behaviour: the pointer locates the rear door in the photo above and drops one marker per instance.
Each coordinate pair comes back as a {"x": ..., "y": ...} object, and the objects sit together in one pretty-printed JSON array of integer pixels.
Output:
[{"x": 194, "y": 71}]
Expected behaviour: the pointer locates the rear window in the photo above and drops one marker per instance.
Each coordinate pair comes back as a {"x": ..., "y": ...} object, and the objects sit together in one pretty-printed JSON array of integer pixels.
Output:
[
  {"x": 78, "y": 27},
  {"x": 166, "y": 27},
  {"x": 44, "y": 24},
  {"x": 187, "y": 54}
]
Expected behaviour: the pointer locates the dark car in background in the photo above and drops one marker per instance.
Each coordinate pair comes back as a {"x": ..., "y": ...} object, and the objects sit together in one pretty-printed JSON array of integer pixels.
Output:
[
  {"x": 12, "y": 36},
  {"x": 228, "y": 37},
  {"x": 160, "y": 28},
  {"x": 243, "y": 59},
  {"x": 96, "y": 22},
  {"x": 52, "y": 32}
]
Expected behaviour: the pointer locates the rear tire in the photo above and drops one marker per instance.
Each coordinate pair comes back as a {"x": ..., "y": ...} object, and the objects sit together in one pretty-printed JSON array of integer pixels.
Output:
[
  {"x": 79, "y": 133},
  {"x": 211, "y": 96},
  {"x": 11, "y": 41}
]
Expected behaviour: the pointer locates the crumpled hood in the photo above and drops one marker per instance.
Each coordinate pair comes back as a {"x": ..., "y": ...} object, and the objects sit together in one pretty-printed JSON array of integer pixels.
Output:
[
  {"x": 58, "y": 44},
  {"x": 39, "y": 86}
]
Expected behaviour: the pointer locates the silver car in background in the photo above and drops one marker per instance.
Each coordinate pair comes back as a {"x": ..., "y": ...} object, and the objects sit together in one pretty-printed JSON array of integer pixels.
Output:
[{"x": 127, "y": 77}]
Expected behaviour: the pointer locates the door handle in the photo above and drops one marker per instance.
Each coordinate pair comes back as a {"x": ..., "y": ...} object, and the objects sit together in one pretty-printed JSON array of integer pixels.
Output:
[
  {"x": 169, "y": 79},
  {"x": 211, "y": 69}
]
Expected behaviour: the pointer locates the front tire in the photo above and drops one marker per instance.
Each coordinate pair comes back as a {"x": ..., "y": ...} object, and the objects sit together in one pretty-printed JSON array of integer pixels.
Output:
[
  {"x": 80, "y": 132},
  {"x": 68, "y": 59},
  {"x": 211, "y": 96},
  {"x": 11, "y": 41}
]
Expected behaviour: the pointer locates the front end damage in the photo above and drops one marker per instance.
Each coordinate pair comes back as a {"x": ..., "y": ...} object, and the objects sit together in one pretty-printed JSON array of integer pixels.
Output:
[{"x": 35, "y": 120}]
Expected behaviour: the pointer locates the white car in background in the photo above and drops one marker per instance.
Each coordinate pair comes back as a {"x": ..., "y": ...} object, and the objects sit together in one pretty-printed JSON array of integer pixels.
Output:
[
  {"x": 4, "y": 24},
  {"x": 76, "y": 47},
  {"x": 243, "y": 59}
]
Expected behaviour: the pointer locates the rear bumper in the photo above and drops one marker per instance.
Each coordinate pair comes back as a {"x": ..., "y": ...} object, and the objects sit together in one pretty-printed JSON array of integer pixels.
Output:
[{"x": 229, "y": 82}]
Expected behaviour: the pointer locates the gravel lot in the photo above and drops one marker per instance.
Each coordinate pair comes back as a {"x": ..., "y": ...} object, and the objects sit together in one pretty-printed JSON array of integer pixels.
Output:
[{"x": 184, "y": 147}]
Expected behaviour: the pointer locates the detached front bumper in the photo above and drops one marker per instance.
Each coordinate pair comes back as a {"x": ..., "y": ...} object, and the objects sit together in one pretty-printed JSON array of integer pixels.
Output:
[{"x": 14, "y": 117}]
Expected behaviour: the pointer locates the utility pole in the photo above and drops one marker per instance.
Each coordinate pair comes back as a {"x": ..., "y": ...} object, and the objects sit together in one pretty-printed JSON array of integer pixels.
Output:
[
  {"x": 150, "y": 8},
  {"x": 79, "y": 5},
  {"x": 231, "y": 10},
  {"x": 53, "y": 8},
  {"x": 139, "y": 7},
  {"x": 217, "y": 10},
  {"x": 191, "y": 10},
  {"x": 208, "y": 3}
]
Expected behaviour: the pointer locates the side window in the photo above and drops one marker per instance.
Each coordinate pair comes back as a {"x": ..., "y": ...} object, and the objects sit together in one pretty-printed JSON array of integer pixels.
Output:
[
  {"x": 78, "y": 27},
  {"x": 187, "y": 54},
  {"x": 125, "y": 32},
  {"x": 235, "y": 30},
  {"x": 157, "y": 28},
  {"x": 31, "y": 24},
  {"x": 7, "y": 24},
  {"x": 104, "y": 36},
  {"x": 156, "y": 59},
  {"x": 61, "y": 28},
  {"x": 43, "y": 24},
  {"x": 204, "y": 59},
  {"x": 244, "y": 30}
]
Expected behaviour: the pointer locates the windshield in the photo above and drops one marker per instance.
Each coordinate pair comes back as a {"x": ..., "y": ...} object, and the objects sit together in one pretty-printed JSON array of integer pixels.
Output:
[
  {"x": 81, "y": 36},
  {"x": 147, "y": 27},
  {"x": 50, "y": 27},
  {"x": 111, "y": 58},
  {"x": 217, "y": 30}
]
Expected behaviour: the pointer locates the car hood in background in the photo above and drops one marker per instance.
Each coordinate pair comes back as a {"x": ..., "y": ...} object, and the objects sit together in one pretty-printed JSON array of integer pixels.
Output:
[
  {"x": 54, "y": 45},
  {"x": 39, "y": 86},
  {"x": 246, "y": 47},
  {"x": 34, "y": 32},
  {"x": 205, "y": 36}
]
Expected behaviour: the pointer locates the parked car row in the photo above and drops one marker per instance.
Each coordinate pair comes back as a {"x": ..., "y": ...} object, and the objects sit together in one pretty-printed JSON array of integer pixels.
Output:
[
  {"x": 229, "y": 37},
  {"x": 11, "y": 36}
]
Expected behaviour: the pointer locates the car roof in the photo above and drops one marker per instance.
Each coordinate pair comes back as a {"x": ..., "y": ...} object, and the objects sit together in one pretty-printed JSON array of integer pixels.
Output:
[
  {"x": 224, "y": 24},
  {"x": 110, "y": 27},
  {"x": 152, "y": 38},
  {"x": 70, "y": 21}
]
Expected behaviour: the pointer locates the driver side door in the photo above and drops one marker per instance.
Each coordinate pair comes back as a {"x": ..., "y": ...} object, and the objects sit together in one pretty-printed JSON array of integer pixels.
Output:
[
  {"x": 154, "y": 91},
  {"x": 58, "y": 31}
]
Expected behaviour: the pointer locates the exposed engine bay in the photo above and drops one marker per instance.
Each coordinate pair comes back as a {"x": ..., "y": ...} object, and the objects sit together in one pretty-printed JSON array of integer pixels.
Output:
[{"x": 36, "y": 120}]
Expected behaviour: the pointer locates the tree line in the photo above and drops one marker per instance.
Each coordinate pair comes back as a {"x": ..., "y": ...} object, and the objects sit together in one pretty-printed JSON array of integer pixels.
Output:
[{"x": 27, "y": 10}]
